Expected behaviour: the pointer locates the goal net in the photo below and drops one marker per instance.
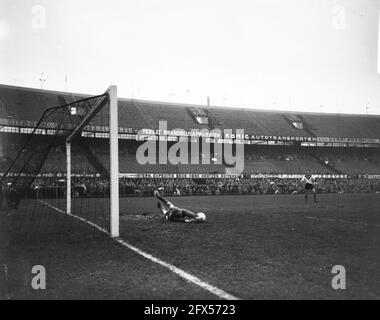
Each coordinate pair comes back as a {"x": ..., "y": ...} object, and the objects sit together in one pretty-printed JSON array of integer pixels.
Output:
[{"x": 63, "y": 179}]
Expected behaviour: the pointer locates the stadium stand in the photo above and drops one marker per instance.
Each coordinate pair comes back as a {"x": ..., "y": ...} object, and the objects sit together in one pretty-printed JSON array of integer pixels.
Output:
[
  {"x": 25, "y": 104},
  {"x": 129, "y": 164},
  {"x": 278, "y": 159},
  {"x": 56, "y": 159},
  {"x": 29, "y": 104},
  {"x": 257, "y": 122},
  {"x": 351, "y": 160},
  {"x": 347, "y": 126}
]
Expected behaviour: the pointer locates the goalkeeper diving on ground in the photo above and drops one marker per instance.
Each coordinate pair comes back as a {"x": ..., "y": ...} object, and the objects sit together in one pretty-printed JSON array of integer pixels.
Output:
[{"x": 176, "y": 214}]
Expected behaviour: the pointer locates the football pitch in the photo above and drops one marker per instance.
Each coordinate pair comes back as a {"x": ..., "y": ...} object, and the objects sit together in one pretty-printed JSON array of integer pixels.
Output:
[{"x": 252, "y": 247}]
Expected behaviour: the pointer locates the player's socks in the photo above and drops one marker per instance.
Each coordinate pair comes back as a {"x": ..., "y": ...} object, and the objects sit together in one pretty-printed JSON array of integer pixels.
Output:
[
  {"x": 161, "y": 198},
  {"x": 159, "y": 206}
]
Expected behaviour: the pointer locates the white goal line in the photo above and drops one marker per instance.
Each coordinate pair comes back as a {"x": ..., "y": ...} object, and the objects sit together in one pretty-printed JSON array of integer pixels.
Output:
[{"x": 183, "y": 274}]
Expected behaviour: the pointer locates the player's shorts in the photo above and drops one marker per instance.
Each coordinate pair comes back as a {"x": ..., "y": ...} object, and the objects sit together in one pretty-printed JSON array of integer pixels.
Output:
[
  {"x": 309, "y": 186},
  {"x": 174, "y": 214}
]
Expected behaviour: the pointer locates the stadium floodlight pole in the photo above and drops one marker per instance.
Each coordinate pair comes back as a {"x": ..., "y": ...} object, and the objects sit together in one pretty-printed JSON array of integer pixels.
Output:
[
  {"x": 114, "y": 160},
  {"x": 42, "y": 79}
]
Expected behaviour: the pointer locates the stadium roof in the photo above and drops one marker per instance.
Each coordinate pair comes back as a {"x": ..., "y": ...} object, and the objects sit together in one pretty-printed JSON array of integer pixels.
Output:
[{"x": 179, "y": 104}]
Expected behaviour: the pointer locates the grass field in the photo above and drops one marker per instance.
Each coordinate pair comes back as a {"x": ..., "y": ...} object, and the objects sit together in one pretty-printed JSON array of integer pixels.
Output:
[{"x": 253, "y": 247}]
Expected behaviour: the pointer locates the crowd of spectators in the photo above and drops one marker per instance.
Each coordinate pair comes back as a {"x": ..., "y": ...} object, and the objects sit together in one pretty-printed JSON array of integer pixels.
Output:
[
  {"x": 100, "y": 187},
  {"x": 244, "y": 186}
]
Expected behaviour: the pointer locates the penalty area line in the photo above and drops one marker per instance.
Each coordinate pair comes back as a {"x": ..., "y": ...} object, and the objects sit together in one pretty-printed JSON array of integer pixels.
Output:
[{"x": 181, "y": 273}]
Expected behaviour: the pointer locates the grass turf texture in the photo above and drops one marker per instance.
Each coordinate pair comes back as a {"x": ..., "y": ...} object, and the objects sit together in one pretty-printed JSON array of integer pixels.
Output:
[{"x": 254, "y": 247}]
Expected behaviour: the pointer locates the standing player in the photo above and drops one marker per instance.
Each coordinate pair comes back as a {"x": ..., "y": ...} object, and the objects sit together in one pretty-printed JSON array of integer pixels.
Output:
[
  {"x": 176, "y": 214},
  {"x": 12, "y": 196},
  {"x": 308, "y": 179}
]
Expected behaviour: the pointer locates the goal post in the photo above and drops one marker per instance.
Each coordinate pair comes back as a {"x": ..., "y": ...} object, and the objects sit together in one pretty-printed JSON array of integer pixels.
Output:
[
  {"x": 64, "y": 178},
  {"x": 114, "y": 161},
  {"x": 110, "y": 101}
]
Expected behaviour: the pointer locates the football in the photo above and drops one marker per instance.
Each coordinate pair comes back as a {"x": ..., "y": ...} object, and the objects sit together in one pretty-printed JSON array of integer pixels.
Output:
[{"x": 201, "y": 216}]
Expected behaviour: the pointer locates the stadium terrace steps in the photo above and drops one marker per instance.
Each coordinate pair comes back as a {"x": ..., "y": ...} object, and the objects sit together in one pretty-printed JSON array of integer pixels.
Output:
[
  {"x": 347, "y": 126},
  {"x": 357, "y": 167},
  {"x": 258, "y": 122},
  {"x": 350, "y": 161},
  {"x": 265, "y": 159},
  {"x": 92, "y": 159},
  {"x": 131, "y": 117},
  {"x": 56, "y": 163},
  {"x": 331, "y": 168},
  {"x": 306, "y": 125},
  {"x": 175, "y": 117}
]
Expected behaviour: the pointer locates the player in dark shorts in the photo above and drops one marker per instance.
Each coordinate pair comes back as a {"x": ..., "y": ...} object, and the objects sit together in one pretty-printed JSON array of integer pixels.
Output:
[
  {"x": 176, "y": 214},
  {"x": 308, "y": 179}
]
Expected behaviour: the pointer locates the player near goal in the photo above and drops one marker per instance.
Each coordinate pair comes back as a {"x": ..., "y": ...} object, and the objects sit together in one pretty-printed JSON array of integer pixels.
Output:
[
  {"x": 10, "y": 195},
  {"x": 309, "y": 180},
  {"x": 176, "y": 214}
]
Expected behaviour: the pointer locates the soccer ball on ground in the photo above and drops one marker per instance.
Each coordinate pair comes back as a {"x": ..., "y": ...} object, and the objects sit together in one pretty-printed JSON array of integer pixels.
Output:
[{"x": 201, "y": 216}]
